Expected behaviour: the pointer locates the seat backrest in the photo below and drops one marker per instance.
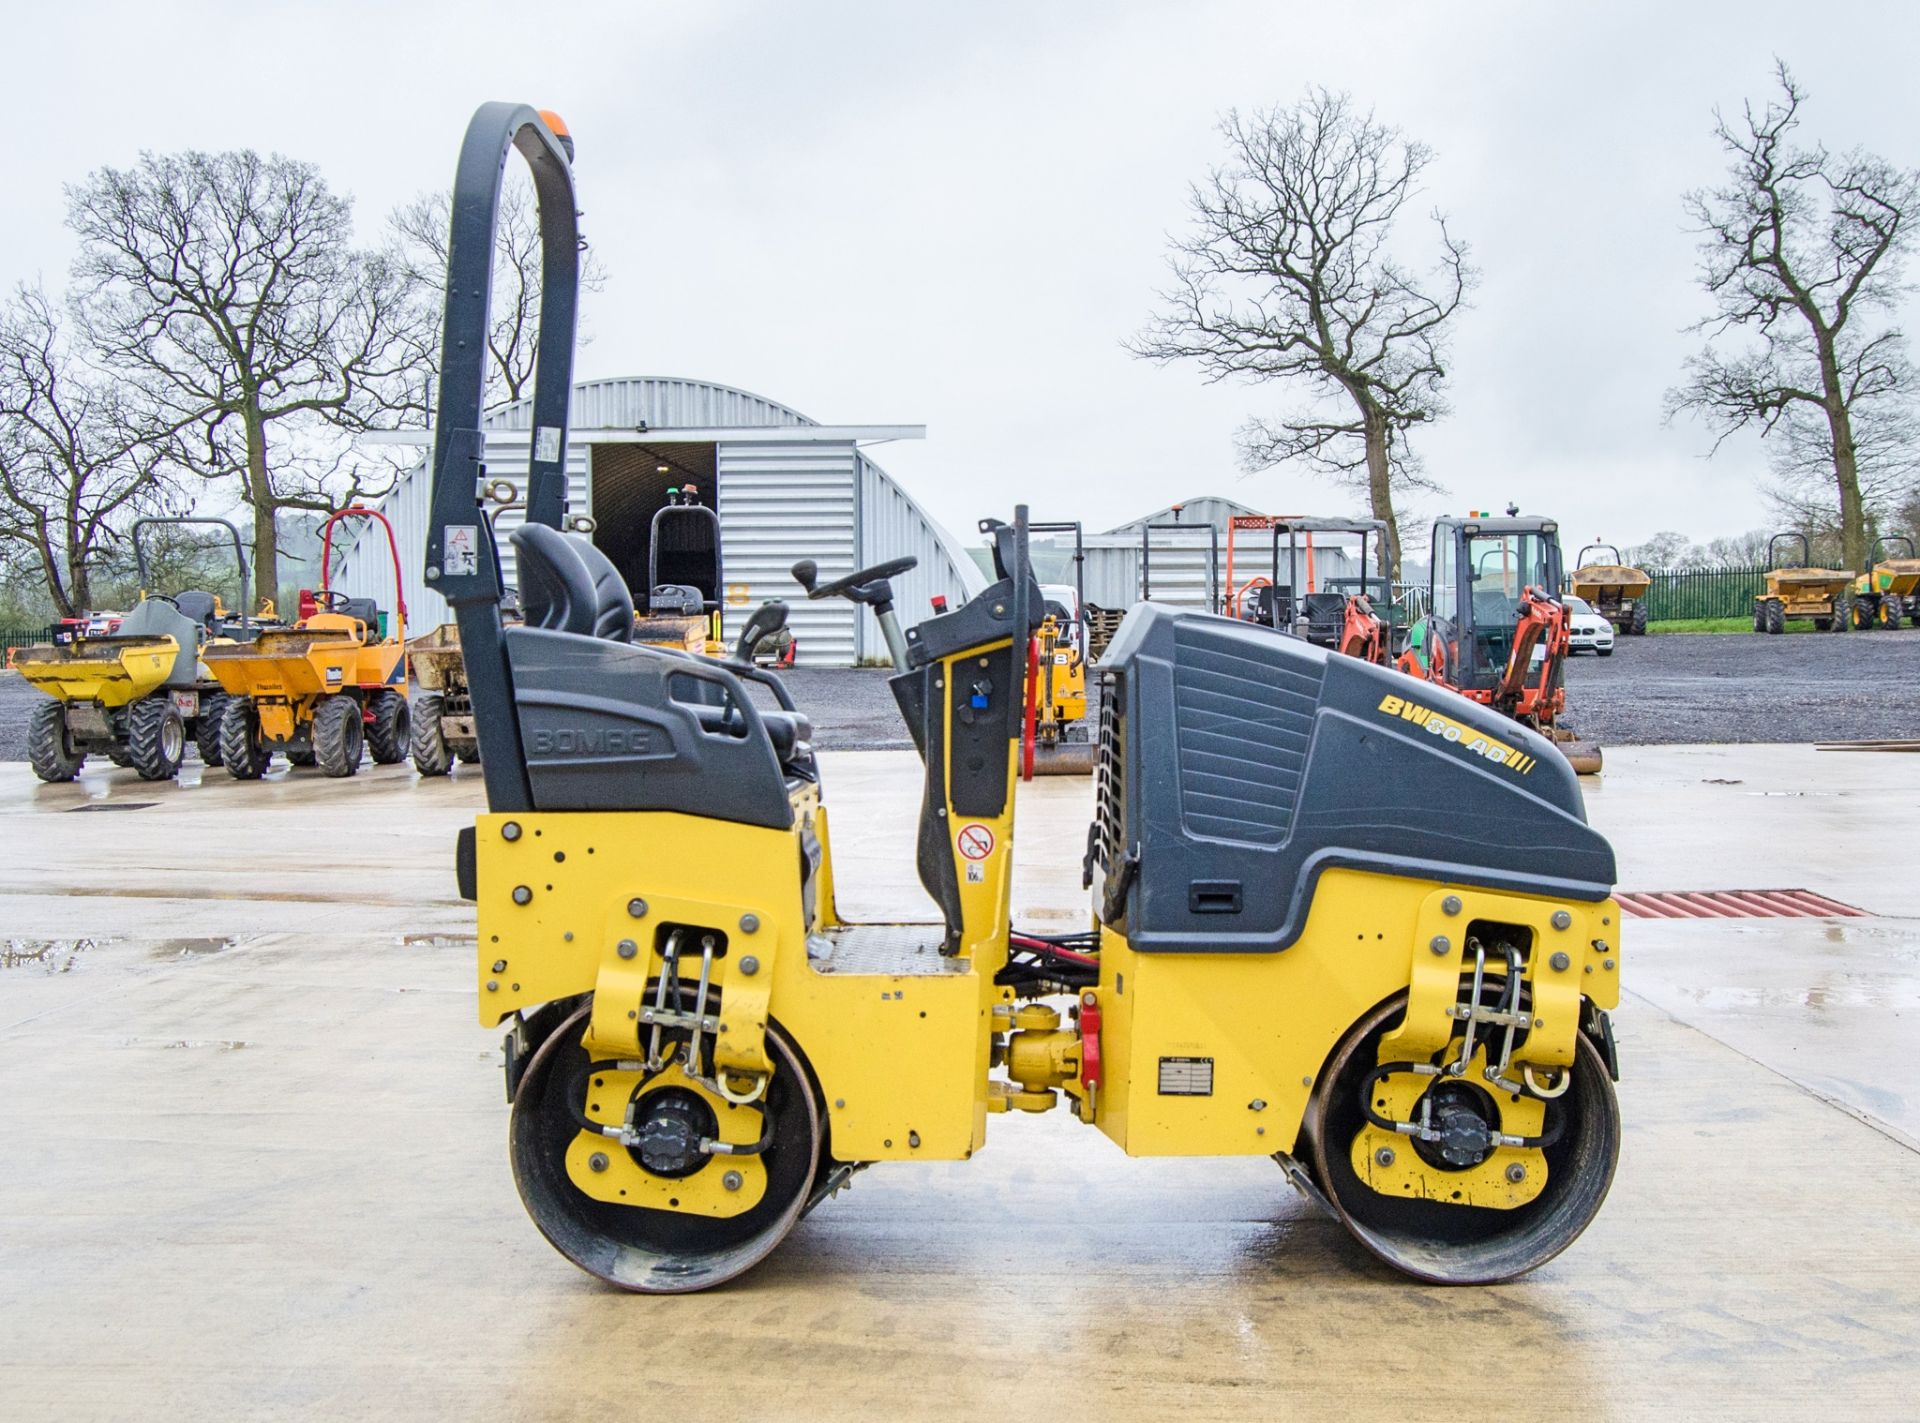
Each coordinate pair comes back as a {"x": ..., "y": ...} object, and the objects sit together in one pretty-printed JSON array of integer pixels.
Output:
[
  {"x": 365, "y": 610},
  {"x": 686, "y": 550},
  {"x": 1325, "y": 611},
  {"x": 568, "y": 585},
  {"x": 197, "y": 606},
  {"x": 612, "y": 600}
]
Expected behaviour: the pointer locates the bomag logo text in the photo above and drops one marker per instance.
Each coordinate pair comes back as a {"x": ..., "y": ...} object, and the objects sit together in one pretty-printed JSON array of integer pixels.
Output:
[
  {"x": 612, "y": 741},
  {"x": 1474, "y": 742}
]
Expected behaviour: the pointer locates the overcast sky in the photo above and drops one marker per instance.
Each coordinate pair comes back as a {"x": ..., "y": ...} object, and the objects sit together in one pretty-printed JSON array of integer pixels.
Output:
[{"x": 954, "y": 214}]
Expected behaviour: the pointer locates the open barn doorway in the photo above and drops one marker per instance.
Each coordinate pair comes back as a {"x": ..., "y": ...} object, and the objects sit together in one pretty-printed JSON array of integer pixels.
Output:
[{"x": 632, "y": 483}]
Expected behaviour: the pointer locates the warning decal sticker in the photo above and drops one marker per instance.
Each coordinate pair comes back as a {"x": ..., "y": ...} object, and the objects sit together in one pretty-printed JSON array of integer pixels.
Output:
[{"x": 975, "y": 841}]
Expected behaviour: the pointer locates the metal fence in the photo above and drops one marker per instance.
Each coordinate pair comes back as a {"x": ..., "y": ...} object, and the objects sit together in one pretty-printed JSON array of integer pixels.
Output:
[
  {"x": 11, "y": 638},
  {"x": 1690, "y": 594}
]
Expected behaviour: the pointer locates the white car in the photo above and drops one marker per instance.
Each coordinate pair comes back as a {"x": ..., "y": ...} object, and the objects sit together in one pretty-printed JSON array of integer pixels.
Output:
[{"x": 1587, "y": 631}]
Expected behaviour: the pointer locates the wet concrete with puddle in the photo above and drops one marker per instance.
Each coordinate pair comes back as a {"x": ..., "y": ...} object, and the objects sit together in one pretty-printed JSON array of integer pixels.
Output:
[{"x": 257, "y": 1167}]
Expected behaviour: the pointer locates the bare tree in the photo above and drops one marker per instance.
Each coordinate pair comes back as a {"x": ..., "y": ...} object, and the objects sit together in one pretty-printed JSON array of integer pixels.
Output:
[
  {"x": 77, "y": 461},
  {"x": 228, "y": 288},
  {"x": 1290, "y": 272},
  {"x": 1801, "y": 249},
  {"x": 421, "y": 228}
]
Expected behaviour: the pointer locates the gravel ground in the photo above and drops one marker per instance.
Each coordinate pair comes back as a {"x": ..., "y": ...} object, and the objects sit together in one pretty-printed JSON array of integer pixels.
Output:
[
  {"x": 1652, "y": 691},
  {"x": 1668, "y": 690}
]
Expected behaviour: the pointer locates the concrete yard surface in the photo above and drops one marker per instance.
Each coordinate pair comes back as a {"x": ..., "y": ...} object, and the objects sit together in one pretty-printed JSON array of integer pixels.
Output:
[{"x": 256, "y": 1167}]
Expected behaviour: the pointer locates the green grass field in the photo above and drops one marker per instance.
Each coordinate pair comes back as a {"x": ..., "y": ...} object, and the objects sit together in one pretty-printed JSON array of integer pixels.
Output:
[{"x": 1714, "y": 625}]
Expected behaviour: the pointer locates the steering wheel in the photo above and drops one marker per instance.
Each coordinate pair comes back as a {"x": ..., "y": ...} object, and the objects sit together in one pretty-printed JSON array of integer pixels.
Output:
[
  {"x": 331, "y": 600},
  {"x": 805, "y": 571}
]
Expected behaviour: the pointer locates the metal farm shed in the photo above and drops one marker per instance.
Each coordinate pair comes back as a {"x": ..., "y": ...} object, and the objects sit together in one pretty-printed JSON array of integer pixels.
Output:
[
  {"x": 785, "y": 487},
  {"x": 1183, "y": 539}
]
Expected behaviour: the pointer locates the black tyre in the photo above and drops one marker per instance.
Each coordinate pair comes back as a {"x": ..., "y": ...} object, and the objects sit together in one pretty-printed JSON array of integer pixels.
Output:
[
  {"x": 52, "y": 752},
  {"x": 1862, "y": 617},
  {"x": 156, "y": 737},
  {"x": 1776, "y": 615},
  {"x": 1823, "y": 624},
  {"x": 1466, "y": 1245},
  {"x": 656, "y": 1251},
  {"x": 431, "y": 755},
  {"x": 242, "y": 751},
  {"x": 387, "y": 732},
  {"x": 1838, "y": 622},
  {"x": 1637, "y": 624},
  {"x": 206, "y": 726},
  {"x": 339, "y": 735},
  {"x": 1891, "y": 610},
  {"x": 300, "y": 756},
  {"x": 118, "y": 754},
  {"x": 1759, "y": 615},
  {"x": 468, "y": 752}
]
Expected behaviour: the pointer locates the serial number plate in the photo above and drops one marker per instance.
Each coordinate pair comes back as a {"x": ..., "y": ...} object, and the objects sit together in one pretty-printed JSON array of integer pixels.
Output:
[{"x": 1186, "y": 1077}]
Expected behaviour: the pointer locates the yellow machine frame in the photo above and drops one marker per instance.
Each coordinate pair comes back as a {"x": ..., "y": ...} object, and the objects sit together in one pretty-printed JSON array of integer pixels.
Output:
[{"x": 576, "y": 903}]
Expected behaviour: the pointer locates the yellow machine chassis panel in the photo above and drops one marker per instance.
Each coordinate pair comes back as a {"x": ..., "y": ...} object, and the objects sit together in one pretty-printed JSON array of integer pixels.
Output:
[
  {"x": 1188, "y": 1014},
  {"x": 623, "y": 1181}
]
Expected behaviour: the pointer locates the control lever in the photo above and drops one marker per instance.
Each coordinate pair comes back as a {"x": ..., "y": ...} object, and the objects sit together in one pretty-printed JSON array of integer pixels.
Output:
[{"x": 767, "y": 619}]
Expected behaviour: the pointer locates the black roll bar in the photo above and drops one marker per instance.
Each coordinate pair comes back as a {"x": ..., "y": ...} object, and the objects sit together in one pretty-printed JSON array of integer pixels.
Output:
[
  {"x": 239, "y": 552},
  {"x": 1875, "y": 554},
  {"x": 463, "y": 563},
  {"x": 1806, "y": 551}
]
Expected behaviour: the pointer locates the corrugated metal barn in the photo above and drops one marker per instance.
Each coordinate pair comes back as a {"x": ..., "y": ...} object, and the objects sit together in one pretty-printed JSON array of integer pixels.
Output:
[{"x": 785, "y": 487}]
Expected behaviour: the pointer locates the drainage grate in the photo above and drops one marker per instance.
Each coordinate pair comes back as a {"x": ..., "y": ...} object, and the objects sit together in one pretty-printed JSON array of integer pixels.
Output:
[
  {"x": 1736, "y": 904},
  {"x": 114, "y": 805}
]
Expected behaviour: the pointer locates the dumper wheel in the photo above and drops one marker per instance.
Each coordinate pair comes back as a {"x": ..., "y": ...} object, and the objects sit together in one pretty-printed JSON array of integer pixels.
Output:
[
  {"x": 1455, "y": 1244},
  {"x": 1776, "y": 616},
  {"x": 1838, "y": 622},
  {"x": 118, "y": 754},
  {"x": 49, "y": 748},
  {"x": 156, "y": 737},
  {"x": 387, "y": 731},
  {"x": 339, "y": 735},
  {"x": 646, "y": 1250},
  {"x": 300, "y": 756},
  {"x": 1891, "y": 609},
  {"x": 242, "y": 751},
  {"x": 206, "y": 727},
  {"x": 1637, "y": 624},
  {"x": 431, "y": 756},
  {"x": 1759, "y": 615}
]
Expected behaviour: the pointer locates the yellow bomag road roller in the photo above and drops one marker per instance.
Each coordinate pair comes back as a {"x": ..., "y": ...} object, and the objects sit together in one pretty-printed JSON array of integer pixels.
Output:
[
  {"x": 1339, "y": 918},
  {"x": 137, "y": 694},
  {"x": 323, "y": 691}
]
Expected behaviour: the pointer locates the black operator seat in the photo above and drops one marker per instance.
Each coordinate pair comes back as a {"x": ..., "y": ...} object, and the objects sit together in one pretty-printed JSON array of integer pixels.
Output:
[
  {"x": 569, "y": 585},
  {"x": 198, "y": 607},
  {"x": 364, "y": 610}
]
